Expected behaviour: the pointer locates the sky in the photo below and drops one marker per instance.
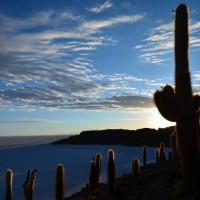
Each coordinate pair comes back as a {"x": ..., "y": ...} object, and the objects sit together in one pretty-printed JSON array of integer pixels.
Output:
[{"x": 74, "y": 65}]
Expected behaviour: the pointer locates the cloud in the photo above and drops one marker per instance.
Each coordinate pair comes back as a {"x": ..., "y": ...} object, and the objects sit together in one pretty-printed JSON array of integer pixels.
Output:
[
  {"x": 94, "y": 26},
  {"x": 196, "y": 75},
  {"x": 100, "y": 7},
  {"x": 132, "y": 101},
  {"x": 158, "y": 45},
  {"x": 45, "y": 63},
  {"x": 90, "y": 92}
]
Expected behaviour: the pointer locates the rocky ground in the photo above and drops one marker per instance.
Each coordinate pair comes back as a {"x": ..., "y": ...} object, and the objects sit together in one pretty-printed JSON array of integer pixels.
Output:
[{"x": 156, "y": 182}]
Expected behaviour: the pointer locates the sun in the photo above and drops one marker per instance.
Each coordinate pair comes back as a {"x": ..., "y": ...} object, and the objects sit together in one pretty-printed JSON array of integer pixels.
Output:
[{"x": 158, "y": 121}]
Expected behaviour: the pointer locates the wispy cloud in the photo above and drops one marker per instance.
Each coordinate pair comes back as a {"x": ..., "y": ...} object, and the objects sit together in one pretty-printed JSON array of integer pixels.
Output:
[
  {"x": 45, "y": 62},
  {"x": 157, "y": 46},
  {"x": 196, "y": 76},
  {"x": 98, "y": 8}
]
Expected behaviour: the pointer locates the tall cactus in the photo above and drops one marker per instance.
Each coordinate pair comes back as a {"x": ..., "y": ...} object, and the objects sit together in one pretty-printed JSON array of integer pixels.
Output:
[
  {"x": 111, "y": 171},
  {"x": 29, "y": 184},
  {"x": 60, "y": 182},
  {"x": 98, "y": 168},
  {"x": 180, "y": 105},
  {"x": 9, "y": 180}
]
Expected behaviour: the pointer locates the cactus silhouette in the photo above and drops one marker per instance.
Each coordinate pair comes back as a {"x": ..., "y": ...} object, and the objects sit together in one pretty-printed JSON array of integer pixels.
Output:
[
  {"x": 29, "y": 184},
  {"x": 180, "y": 105},
  {"x": 60, "y": 182},
  {"x": 9, "y": 180},
  {"x": 111, "y": 171},
  {"x": 135, "y": 167},
  {"x": 157, "y": 155},
  {"x": 92, "y": 181},
  {"x": 144, "y": 155},
  {"x": 98, "y": 168}
]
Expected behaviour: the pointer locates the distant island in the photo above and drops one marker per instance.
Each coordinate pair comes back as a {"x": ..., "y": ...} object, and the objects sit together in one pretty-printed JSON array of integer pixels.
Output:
[{"x": 139, "y": 137}]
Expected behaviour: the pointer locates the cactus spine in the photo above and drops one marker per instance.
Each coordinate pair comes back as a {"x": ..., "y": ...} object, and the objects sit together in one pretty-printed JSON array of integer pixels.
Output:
[
  {"x": 29, "y": 184},
  {"x": 182, "y": 106},
  {"x": 9, "y": 180},
  {"x": 111, "y": 171},
  {"x": 60, "y": 182}
]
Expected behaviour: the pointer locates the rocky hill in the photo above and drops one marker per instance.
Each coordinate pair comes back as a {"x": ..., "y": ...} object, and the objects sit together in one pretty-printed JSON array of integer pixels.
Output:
[{"x": 145, "y": 136}]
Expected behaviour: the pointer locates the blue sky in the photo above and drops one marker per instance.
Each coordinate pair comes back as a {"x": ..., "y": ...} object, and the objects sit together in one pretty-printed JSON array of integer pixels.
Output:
[{"x": 68, "y": 66}]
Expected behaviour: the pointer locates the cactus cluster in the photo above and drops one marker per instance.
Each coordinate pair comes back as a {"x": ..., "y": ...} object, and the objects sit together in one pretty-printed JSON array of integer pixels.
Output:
[
  {"x": 94, "y": 178},
  {"x": 180, "y": 105},
  {"x": 160, "y": 153},
  {"x": 95, "y": 171}
]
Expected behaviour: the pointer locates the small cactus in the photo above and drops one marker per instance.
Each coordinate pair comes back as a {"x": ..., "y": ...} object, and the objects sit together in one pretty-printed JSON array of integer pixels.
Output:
[
  {"x": 98, "y": 168},
  {"x": 9, "y": 180},
  {"x": 144, "y": 155},
  {"x": 29, "y": 184},
  {"x": 136, "y": 167},
  {"x": 92, "y": 175},
  {"x": 111, "y": 171},
  {"x": 60, "y": 182}
]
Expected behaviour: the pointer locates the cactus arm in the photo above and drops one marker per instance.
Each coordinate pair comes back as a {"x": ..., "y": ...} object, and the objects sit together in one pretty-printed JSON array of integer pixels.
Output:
[{"x": 165, "y": 101}]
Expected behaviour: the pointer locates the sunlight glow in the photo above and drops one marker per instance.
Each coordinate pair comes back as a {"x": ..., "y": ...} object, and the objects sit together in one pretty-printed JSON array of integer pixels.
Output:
[{"x": 160, "y": 122}]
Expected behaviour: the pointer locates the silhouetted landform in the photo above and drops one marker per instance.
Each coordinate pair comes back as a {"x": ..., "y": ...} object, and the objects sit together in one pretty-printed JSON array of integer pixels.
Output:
[{"x": 145, "y": 136}]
